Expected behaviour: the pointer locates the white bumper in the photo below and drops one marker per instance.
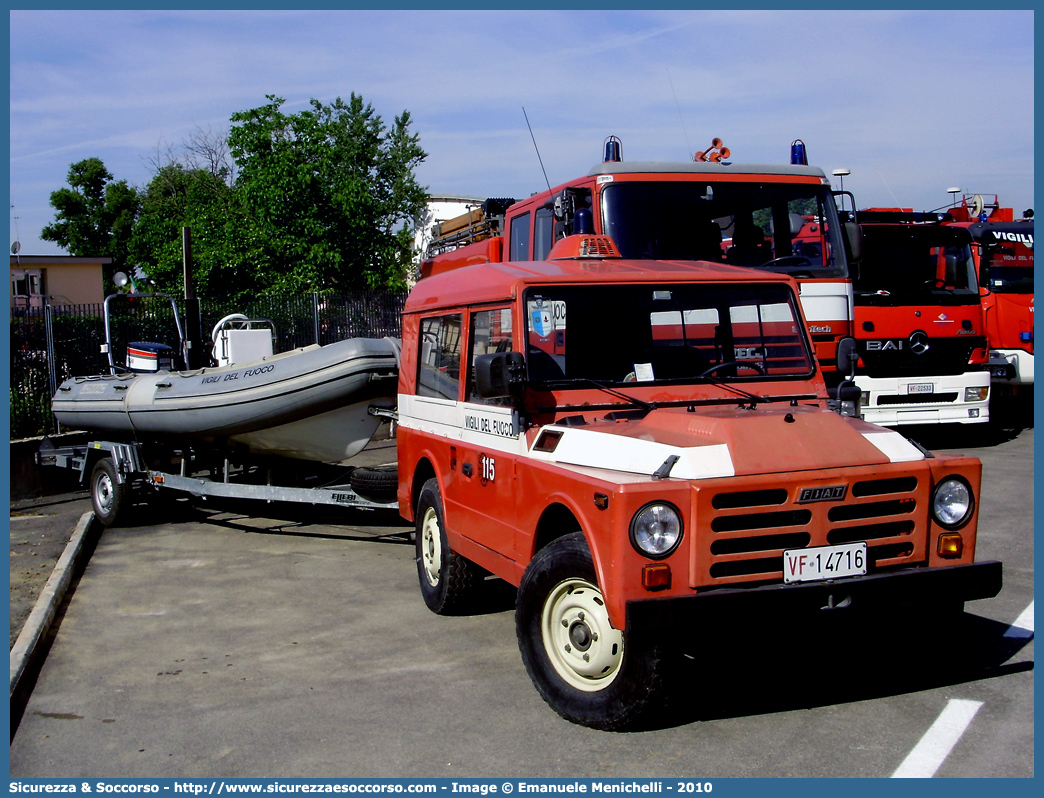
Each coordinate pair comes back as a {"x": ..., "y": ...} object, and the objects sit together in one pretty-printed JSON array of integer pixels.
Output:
[{"x": 894, "y": 401}]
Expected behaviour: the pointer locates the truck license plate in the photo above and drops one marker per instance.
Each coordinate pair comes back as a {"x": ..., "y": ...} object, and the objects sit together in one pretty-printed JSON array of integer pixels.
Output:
[
  {"x": 824, "y": 562},
  {"x": 920, "y": 387}
]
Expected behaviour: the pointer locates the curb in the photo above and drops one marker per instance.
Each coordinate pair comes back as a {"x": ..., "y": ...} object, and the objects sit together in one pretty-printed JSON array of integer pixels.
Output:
[{"x": 42, "y": 616}]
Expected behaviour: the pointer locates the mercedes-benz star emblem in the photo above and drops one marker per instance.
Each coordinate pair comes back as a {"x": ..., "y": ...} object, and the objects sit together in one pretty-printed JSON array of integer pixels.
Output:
[{"x": 919, "y": 342}]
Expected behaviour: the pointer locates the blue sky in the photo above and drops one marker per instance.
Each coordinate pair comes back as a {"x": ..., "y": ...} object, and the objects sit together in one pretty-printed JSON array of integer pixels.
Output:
[{"x": 912, "y": 102}]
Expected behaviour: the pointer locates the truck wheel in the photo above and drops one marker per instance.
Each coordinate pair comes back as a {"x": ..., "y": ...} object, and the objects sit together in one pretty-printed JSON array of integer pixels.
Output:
[
  {"x": 587, "y": 671},
  {"x": 447, "y": 580},
  {"x": 376, "y": 484},
  {"x": 107, "y": 495}
]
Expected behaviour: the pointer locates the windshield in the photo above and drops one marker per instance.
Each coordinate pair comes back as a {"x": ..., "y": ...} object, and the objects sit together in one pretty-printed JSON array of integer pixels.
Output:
[
  {"x": 621, "y": 334},
  {"x": 915, "y": 264},
  {"x": 787, "y": 227}
]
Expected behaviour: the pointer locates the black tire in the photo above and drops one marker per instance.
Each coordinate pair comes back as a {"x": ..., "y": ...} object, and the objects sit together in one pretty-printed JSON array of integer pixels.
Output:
[
  {"x": 448, "y": 582},
  {"x": 376, "y": 484},
  {"x": 108, "y": 496},
  {"x": 583, "y": 668}
]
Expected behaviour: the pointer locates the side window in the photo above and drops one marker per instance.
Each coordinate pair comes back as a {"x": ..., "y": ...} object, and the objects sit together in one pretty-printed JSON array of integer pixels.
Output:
[
  {"x": 543, "y": 233},
  {"x": 520, "y": 238},
  {"x": 439, "y": 357},
  {"x": 490, "y": 333}
]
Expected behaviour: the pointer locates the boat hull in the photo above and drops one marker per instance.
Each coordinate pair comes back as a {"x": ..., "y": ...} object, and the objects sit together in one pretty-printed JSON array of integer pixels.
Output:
[{"x": 309, "y": 401}]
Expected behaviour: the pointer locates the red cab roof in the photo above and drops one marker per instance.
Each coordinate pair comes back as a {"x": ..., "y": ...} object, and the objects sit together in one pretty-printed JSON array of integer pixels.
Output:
[{"x": 496, "y": 282}]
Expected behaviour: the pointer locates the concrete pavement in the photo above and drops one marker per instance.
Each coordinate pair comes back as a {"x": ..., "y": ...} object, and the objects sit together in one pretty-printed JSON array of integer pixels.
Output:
[{"x": 242, "y": 641}]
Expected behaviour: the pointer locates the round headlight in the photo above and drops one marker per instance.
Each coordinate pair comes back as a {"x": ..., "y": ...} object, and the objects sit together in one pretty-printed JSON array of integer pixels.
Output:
[
  {"x": 952, "y": 502},
  {"x": 656, "y": 530}
]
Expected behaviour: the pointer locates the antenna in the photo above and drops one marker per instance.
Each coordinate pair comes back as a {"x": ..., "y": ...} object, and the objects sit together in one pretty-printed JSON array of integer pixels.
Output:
[
  {"x": 685, "y": 133},
  {"x": 535, "y": 147}
]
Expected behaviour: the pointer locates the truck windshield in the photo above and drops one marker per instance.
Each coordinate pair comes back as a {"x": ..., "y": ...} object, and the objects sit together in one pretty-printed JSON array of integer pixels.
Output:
[
  {"x": 1008, "y": 250},
  {"x": 787, "y": 227},
  {"x": 671, "y": 333},
  {"x": 915, "y": 264}
]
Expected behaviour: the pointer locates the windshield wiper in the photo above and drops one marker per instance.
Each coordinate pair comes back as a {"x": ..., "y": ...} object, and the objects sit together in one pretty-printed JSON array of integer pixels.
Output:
[
  {"x": 753, "y": 398},
  {"x": 647, "y": 406}
]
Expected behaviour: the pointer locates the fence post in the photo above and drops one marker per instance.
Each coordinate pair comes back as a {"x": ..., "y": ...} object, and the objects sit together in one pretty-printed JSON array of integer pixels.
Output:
[
  {"x": 315, "y": 314},
  {"x": 52, "y": 381}
]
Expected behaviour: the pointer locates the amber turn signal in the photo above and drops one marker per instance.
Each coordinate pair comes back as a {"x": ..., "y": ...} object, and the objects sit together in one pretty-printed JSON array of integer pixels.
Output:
[
  {"x": 951, "y": 546},
  {"x": 656, "y": 576}
]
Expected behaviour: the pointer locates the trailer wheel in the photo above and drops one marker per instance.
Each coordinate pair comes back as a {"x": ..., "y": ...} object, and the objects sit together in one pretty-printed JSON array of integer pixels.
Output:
[
  {"x": 447, "y": 581},
  {"x": 586, "y": 670},
  {"x": 107, "y": 495},
  {"x": 376, "y": 484}
]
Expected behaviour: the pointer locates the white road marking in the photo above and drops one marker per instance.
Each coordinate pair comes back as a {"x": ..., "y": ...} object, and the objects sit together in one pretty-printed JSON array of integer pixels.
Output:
[
  {"x": 1022, "y": 629},
  {"x": 938, "y": 741}
]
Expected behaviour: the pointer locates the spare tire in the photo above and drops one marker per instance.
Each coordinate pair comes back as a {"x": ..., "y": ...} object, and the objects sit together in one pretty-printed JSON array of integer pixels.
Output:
[{"x": 379, "y": 484}]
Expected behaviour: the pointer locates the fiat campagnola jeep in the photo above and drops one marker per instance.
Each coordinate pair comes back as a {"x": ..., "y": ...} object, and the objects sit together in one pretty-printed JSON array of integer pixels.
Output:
[{"x": 636, "y": 444}]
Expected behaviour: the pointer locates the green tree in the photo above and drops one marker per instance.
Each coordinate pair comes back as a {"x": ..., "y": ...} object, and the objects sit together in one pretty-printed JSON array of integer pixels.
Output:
[
  {"x": 180, "y": 196},
  {"x": 324, "y": 197},
  {"x": 94, "y": 216}
]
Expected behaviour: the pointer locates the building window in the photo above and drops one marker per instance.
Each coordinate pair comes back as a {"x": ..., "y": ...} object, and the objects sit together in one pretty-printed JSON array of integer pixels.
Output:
[{"x": 27, "y": 288}]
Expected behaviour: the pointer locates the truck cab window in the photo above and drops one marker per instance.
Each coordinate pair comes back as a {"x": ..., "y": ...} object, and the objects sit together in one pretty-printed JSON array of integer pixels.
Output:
[
  {"x": 439, "y": 357},
  {"x": 543, "y": 233},
  {"x": 520, "y": 238},
  {"x": 490, "y": 333}
]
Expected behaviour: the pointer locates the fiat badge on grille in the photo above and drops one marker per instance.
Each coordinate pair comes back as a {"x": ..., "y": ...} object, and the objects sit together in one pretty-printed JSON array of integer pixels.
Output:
[{"x": 830, "y": 493}]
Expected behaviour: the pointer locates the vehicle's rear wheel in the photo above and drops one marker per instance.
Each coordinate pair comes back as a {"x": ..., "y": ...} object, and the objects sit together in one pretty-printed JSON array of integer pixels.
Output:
[
  {"x": 108, "y": 496},
  {"x": 585, "y": 669},
  {"x": 448, "y": 582}
]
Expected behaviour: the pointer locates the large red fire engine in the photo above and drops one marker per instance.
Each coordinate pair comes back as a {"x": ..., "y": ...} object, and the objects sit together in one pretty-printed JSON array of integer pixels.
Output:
[
  {"x": 639, "y": 445},
  {"x": 1003, "y": 254},
  {"x": 918, "y": 321}
]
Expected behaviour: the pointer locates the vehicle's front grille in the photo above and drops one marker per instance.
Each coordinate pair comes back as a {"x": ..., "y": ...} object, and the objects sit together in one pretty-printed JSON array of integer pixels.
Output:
[{"x": 743, "y": 531}]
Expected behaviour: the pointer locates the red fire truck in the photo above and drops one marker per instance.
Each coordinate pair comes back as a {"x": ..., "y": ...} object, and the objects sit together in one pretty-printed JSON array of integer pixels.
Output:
[
  {"x": 710, "y": 210},
  {"x": 642, "y": 445},
  {"x": 918, "y": 321},
  {"x": 1003, "y": 254}
]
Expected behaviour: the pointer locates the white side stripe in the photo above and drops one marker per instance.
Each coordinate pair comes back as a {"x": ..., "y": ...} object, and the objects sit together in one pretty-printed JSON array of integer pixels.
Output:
[
  {"x": 1022, "y": 629},
  {"x": 938, "y": 741}
]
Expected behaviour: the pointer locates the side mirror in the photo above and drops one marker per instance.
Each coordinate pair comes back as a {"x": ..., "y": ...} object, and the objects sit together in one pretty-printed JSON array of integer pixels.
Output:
[
  {"x": 500, "y": 374},
  {"x": 854, "y": 236},
  {"x": 847, "y": 357}
]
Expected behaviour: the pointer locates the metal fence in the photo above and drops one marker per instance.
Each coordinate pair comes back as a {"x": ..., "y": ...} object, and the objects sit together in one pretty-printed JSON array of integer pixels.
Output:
[{"x": 52, "y": 343}]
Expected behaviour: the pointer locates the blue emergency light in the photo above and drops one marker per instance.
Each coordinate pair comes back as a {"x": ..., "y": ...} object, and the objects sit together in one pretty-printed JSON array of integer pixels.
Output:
[{"x": 798, "y": 156}]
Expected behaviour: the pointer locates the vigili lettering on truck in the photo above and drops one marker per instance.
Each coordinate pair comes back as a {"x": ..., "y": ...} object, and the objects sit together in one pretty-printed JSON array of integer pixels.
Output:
[
  {"x": 1003, "y": 254},
  {"x": 639, "y": 445},
  {"x": 918, "y": 321}
]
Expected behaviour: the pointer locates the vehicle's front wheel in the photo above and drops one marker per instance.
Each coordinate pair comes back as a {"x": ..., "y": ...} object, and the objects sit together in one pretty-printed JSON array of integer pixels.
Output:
[
  {"x": 585, "y": 669},
  {"x": 107, "y": 494},
  {"x": 448, "y": 582}
]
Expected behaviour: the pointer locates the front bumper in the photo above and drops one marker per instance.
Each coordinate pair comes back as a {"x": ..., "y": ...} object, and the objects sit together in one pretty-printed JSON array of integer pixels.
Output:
[
  {"x": 871, "y": 593},
  {"x": 892, "y": 401}
]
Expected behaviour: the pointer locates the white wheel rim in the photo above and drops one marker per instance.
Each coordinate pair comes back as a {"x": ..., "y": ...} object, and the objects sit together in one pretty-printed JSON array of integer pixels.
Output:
[
  {"x": 431, "y": 546},
  {"x": 584, "y": 648},
  {"x": 103, "y": 492}
]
